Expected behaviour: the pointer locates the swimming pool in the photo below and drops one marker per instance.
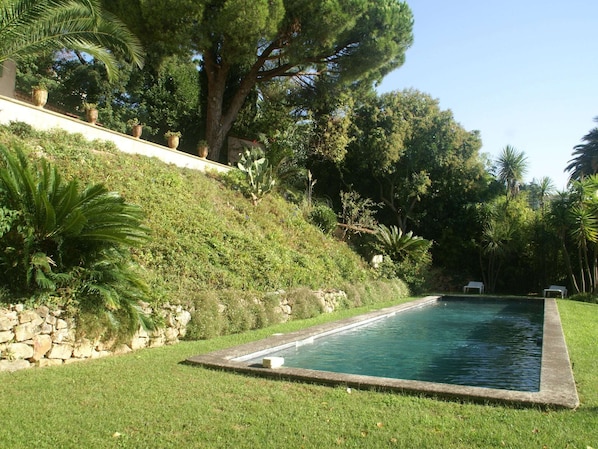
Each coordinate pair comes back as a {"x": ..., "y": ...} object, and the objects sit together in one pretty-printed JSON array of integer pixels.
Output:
[
  {"x": 556, "y": 385},
  {"x": 481, "y": 342}
]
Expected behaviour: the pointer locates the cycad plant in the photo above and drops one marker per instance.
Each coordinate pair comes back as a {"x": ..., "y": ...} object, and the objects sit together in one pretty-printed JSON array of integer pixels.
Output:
[
  {"x": 400, "y": 245},
  {"x": 56, "y": 237},
  {"x": 409, "y": 254}
]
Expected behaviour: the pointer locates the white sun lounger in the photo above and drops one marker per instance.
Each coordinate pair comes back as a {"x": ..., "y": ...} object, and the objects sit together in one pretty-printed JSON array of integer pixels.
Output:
[
  {"x": 473, "y": 285},
  {"x": 558, "y": 289}
]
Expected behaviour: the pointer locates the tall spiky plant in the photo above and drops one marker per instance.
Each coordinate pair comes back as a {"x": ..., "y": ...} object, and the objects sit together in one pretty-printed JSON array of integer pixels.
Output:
[
  {"x": 31, "y": 27},
  {"x": 400, "y": 245},
  {"x": 60, "y": 238},
  {"x": 583, "y": 215},
  {"x": 512, "y": 166}
]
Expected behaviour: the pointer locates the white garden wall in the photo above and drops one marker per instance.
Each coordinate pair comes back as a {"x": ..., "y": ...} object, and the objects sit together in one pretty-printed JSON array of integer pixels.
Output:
[{"x": 42, "y": 119}]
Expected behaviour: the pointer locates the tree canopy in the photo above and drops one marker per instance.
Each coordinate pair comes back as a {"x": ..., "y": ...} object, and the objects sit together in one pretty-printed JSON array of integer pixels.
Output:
[
  {"x": 585, "y": 156},
  {"x": 244, "y": 44},
  {"x": 414, "y": 153}
]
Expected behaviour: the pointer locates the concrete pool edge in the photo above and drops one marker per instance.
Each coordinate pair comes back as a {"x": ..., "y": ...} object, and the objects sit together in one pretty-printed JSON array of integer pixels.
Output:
[{"x": 557, "y": 386}]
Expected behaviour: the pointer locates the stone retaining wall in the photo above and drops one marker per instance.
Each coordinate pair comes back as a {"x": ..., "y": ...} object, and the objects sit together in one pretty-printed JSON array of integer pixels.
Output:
[{"x": 44, "y": 337}]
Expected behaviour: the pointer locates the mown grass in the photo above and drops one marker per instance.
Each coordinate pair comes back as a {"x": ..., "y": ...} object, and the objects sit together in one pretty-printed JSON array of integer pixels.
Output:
[{"x": 148, "y": 399}]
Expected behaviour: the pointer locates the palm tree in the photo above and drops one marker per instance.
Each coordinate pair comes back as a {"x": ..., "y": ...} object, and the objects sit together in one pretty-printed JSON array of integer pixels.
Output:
[
  {"x": 512, "y": 165},
  {"x": 585, "y": 157},
  {"x": 496, "y": 239},
  {"x": 540, "y": 191},
  {"x": 559, "y": 219},
  {"x": 584, "y": 229},
  {"x": 32, "y": 27}
]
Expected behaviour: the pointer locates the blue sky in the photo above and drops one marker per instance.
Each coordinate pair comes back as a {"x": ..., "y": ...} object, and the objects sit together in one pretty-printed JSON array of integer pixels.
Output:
[{"x": 522, "y": 72}]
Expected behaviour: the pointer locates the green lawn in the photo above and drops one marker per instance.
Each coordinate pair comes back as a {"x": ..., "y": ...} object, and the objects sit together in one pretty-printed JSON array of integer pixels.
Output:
[{"x": 148, "y": 399}]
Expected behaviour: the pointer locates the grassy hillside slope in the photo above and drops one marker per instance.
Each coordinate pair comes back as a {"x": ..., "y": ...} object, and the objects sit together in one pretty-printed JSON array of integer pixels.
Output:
[{"x": 205, "y": 236}]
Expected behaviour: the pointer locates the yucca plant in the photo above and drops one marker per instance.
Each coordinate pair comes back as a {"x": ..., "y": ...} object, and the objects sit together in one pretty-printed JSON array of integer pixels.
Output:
[{"x": 56, "y": 237}]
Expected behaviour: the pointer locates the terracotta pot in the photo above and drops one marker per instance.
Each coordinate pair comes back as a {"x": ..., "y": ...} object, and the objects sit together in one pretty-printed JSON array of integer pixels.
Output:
[
  {"x": 92, "y": 116},
  {"x": 173, "y": 142},
  {"x": 203, "y": 151},
  {"x": 136, "y": 131},
  {"x": 39, "y": 97}
]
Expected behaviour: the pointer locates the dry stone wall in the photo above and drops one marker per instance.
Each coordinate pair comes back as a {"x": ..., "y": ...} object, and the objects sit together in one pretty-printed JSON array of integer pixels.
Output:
[{"x": 44, "y": 337}]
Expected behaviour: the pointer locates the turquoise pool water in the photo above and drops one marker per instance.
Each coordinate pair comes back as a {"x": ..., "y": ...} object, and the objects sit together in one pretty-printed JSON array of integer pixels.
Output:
[{"x": 494, "y": 343}]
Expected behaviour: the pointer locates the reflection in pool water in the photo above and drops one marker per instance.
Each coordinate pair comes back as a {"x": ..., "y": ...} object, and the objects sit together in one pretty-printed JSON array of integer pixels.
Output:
[{"x": 476, "y": 342}]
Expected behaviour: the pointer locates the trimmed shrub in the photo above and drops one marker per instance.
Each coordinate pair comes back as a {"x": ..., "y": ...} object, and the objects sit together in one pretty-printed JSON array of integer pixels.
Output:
[
  {"x": 206, "y": 319},
  {"x": 304, "y": 303},
  {"x": 353, "y": 295},
  {"x": 585, "y": 297},
  {"x": 324, "y": 218},
  {"x": 267, "y": 311},
  {"x": 237, "y": 311}
]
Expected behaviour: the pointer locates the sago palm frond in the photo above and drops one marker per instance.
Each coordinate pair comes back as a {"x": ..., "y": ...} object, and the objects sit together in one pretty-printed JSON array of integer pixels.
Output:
[
  {"x": 55, "y": 218},
  {"x": 113, "y": 287},
  {"x": 40, "y": 271},
  {"x": 399, "y": 245}
]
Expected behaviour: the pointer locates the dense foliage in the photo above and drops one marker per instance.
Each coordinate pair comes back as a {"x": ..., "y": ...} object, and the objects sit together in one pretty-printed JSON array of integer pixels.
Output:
[
  {"x": 67, "y": 242},
  {"x": 205, "y": 236},
  {"x": 297, "y": 77},
  {"x": 242, "y": 45}
]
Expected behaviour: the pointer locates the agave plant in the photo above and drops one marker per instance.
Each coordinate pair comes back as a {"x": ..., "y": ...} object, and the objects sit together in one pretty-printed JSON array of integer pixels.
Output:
[{"x": 57, "y": 237}]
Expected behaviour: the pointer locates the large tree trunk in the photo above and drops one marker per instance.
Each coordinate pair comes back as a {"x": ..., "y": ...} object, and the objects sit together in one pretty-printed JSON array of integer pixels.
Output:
[
  {"x": 218, "y": 121},
  {"x": 220, "y": 117},
  {"x": 389, "y": 201},
  {"x": 567, "y": 261},
  {"x": 215, "y": 131},
  {"x": 216, "y": 75}
]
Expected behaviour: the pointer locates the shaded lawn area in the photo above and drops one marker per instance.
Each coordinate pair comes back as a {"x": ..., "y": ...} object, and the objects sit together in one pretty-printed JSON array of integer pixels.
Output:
[{"x": 148, "y": 399}]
